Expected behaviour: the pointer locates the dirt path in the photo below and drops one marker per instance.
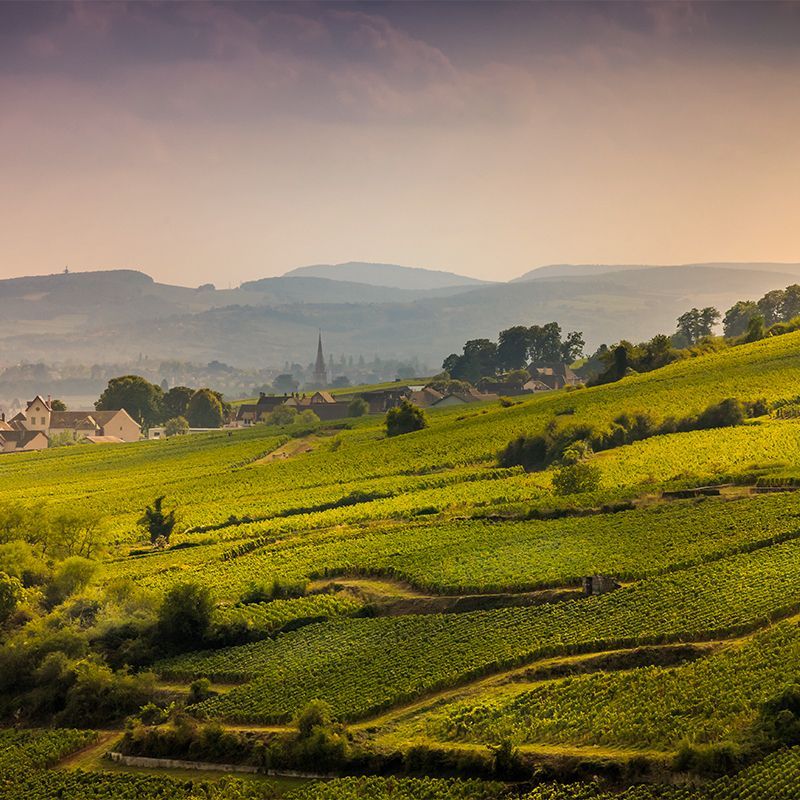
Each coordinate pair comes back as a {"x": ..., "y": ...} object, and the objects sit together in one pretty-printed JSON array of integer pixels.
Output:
[
  {"x": 83, "y": 758},
  {"x": 292, "y": 448}
]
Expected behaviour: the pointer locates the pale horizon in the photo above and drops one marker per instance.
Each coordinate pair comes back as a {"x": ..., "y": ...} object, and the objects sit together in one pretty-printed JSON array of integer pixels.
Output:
[{"x": 203, "y": 142}]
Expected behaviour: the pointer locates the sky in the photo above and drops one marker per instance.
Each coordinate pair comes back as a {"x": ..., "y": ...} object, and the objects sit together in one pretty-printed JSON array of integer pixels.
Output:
[{"x": 225, "y": 142}]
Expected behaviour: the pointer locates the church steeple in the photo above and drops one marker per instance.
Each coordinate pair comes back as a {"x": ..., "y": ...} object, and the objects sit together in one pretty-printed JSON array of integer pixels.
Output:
[{"x": 320, "y": 371}]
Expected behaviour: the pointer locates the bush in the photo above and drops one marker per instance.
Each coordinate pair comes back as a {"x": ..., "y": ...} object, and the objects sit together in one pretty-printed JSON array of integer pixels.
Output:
[
  {"x": 200, "y": 690},
  {"x": 99, "y": 696},
  {"x": 282, "y": 415},
  {"x": 315, "y": 714},
  {"x": 529, "y": 452},
  {"x": 725, "y": 414},
  {"x": 177, "y": 426},
  {"x": 576, "y": 478},
  {"x": 405, "y": 418},
  {"x": 779, "y": 718},
  {"x": 307, "y": 417},
  {"x": 358, "y": 407},
  {"x": 278, "y": 589},
  {"x": 11, "y": 595},
  {"x": 184, "y": 618},
  {"x": 72, "y": 575}
]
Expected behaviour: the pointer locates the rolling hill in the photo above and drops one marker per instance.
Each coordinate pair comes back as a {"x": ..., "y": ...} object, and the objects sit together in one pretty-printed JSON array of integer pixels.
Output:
[{"x": 117, "y": 315}]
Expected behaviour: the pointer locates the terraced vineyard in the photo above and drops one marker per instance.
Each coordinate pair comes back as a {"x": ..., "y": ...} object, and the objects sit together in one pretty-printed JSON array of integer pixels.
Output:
[
  {"x": 481, "y": 556},
  {"x": 705, "y": 701},
  {"x": 362, "y": 666}
]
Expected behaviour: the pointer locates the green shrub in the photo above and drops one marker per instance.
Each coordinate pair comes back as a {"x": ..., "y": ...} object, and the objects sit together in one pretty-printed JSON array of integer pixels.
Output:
[
  {"x": 184, "y": 618},
  {"x": 405, "y": 418},
  {"x": 576, "y": 478}
]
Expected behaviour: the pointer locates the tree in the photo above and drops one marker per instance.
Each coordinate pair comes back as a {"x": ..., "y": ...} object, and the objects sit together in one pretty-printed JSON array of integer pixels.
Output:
[
  {"x": 405, "y": 418},
  {"x": 205, "y": 410},
  {"x": 58, "y": 405},
  {"x": 738, "y": 317},
  {"x": 572, "y": 347},
  {"x": 770, "y": 306},
  {"x": 315, "y": 714},
  {"x": 157, "y": 523},
  {"x": 177, "y": 426},
  {"x": 11, "y": 595},
  {"x": 176, "y": 402},
  {"x": 696, "y": 324},
  {"x": 545, "y": 342},
  {"x": 790, "y": 307},
  {"x": 512, "y": 347},
  {"x": 140, "y": 398},
  {"x": 620, "y": 360},
  {"x": 357, "y": 407},
  {"x": 481, "y": 358},
  {"x": 184, "y": 618},
  {"x": 755, "y": 329}
]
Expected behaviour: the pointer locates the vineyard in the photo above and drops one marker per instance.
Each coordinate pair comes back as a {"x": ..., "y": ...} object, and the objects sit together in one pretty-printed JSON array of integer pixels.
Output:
[
  {"x": 704, "y": 701},
  {"x": 361, "y": 666},
  {"x": 429, "y": 596}
]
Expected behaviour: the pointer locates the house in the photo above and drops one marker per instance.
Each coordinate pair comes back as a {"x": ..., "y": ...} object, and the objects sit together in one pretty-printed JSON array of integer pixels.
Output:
[
  {"x": 20, "y": 441},
  {"x": 322, "y": 403},
  {"x": 250, "y": 413},
  {"x": 503, "y": 388},
  {"x": 534, "y": 385},
  {"x": 40, "y": 417},
  {"x": 460, "y": 398},
  {"x": 425, "y": 396},
  {"x": 380, "y": 400},
  {"x": 554, "y": 374}
]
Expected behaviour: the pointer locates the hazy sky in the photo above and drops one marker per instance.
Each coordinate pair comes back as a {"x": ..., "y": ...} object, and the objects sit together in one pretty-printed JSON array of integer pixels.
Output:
[{"x": 224, "y": 142}]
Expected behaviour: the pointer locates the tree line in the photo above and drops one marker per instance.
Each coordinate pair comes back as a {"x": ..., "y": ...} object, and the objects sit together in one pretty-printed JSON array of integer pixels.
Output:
[
  {"x": 515, "y": 347},
  {"x": 150, "y": 405}
]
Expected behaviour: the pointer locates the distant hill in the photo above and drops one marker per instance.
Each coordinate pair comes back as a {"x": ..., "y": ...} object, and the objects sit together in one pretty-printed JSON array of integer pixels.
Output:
[
  {"x": 312, "y": 289},
  {"x": 115, "y": 316},
  {"x": 578, "y": 270},
  {"x": 391, "y": 275}
]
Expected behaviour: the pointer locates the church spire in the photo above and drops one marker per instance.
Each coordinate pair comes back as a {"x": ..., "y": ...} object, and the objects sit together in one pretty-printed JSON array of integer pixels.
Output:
[{"x": 320, "y": 371}]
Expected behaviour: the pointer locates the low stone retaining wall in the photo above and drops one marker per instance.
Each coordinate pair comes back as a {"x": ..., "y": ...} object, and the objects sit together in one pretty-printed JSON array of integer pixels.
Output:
[{"x": 178, "y": 763}]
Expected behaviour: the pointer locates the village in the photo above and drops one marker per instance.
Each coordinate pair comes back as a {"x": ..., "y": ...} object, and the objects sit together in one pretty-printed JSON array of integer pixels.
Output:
[{"x": 44, "y": 423}]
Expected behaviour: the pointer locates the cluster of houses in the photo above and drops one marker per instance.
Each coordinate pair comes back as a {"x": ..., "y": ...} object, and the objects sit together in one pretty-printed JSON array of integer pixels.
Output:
[
  {"x": 33, "y": 428},
  {"x": 544, "y": 378}
]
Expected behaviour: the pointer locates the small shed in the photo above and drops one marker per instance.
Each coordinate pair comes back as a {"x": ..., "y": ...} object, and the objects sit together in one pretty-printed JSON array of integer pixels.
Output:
[{"x": 599, "y": 584}]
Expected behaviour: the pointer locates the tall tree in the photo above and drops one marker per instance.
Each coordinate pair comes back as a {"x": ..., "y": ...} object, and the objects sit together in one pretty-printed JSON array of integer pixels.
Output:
[
  {"x": 770, "y": 306},
  {"x": 140, "y": 398},
  {"x": 738, "y": 317},
  {"x": 481, "y": 357},
  {"x": 512, "y": 347},
  {"x": 572, "y": 347},
  {"x": 695, "y": 324},
  {"x": 545, "y": 342},
  {"x": 205, "y": 410},
  {"x": 176, "y": 402},
  {"x": 790, "y": 308}
]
